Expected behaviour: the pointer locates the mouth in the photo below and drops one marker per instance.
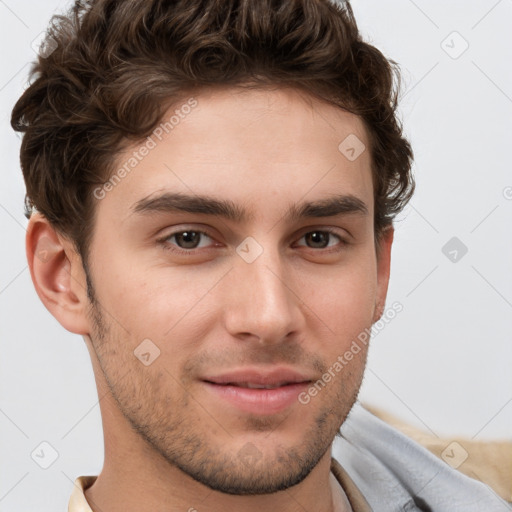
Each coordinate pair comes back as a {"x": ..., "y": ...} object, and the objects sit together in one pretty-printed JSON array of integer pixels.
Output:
[
  {"x": 253, "y": 385},
  {"x": 256, "y": 391}
]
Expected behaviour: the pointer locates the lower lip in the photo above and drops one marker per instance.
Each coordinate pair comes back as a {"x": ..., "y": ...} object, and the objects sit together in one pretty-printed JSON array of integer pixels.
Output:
[{"x": 258, "y": 401}]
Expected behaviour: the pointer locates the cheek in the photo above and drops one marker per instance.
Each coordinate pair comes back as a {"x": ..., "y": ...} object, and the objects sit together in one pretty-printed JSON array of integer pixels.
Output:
[
  {"x": 346, "y": 306},
  {"x": 344, "y": 296},
  {"x": 161, "y": 304},
  {"x": 354, "y": 297}
]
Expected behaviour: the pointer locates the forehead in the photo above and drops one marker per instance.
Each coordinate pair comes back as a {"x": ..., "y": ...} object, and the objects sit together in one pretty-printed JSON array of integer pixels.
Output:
[{"x": 254, "y": 146}]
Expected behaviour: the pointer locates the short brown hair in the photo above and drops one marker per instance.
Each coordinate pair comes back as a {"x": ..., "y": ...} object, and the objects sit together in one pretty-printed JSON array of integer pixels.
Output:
[{"x": 117, "y": 64}]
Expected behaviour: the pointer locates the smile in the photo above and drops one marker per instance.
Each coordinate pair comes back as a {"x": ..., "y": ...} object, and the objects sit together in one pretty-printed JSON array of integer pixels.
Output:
[{"x": 258, "y": 392}]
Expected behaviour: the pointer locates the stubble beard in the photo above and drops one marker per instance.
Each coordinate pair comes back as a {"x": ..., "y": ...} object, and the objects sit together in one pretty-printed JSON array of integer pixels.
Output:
[{"x": 186, "y": 441}]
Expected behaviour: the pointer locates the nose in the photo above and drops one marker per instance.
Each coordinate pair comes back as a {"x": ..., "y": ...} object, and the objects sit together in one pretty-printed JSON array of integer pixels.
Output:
[{"x": 262, "y": 304}]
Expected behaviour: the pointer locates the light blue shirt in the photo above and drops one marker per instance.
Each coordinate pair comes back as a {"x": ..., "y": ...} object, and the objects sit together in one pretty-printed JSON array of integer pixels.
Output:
[{"x": 396, "y": 474}]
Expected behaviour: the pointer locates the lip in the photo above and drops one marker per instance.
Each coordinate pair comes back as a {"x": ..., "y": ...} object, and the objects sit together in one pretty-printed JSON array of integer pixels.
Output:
[{"x": 288, "y": 383}]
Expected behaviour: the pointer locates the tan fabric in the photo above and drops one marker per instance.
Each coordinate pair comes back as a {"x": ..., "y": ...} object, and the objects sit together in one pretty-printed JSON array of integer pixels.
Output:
[
  {"x": 78, "y": 503},
  {"x": 356, "y": 499},
  {"x": 487, "y": 461}
]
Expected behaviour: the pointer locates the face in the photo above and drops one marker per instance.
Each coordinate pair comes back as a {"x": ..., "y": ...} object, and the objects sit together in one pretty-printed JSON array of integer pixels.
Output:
[{"x": 222, "y": 296}]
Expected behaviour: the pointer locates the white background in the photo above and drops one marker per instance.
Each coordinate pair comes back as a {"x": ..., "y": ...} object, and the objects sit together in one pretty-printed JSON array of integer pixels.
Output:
[{"x": 442, "y": 364}]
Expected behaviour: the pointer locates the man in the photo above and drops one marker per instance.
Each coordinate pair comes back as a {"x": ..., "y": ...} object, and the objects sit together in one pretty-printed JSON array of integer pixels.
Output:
[{"x": 211, "y": 187}]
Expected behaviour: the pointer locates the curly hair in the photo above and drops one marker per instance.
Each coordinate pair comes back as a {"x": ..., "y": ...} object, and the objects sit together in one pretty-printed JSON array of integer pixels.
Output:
[{"x": 115, "y": 67}]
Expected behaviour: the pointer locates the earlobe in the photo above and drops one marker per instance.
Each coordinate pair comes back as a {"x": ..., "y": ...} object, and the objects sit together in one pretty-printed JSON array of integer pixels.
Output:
[{"x": 57, "y": 273}]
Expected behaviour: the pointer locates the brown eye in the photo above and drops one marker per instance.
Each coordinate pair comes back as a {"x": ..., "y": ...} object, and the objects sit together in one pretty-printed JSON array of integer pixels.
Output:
[
  {"x": 321, "y": 239},
  {"x": 188, "y": 239},
  {"x": 317, "y": 239}
]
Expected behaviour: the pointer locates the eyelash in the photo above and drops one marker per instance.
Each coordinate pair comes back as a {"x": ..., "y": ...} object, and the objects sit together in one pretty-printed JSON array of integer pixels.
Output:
[{"x": 191, "y": 252}]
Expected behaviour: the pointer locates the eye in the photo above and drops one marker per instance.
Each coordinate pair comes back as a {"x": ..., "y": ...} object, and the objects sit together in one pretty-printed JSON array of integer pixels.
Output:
[
  {"x": 321, "y": 239},
  {"x": 186, "y": 240}
]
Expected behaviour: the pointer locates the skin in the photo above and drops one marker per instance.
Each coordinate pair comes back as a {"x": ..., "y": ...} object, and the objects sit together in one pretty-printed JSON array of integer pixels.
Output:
[{"x": 169, "y": 442}]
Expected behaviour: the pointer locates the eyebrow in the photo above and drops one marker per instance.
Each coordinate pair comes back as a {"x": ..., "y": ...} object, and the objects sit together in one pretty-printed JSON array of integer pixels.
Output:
[{"x": 178, "y": 202}]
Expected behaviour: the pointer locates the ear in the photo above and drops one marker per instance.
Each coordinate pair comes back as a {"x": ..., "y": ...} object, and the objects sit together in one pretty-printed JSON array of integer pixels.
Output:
[
  {"x": 383, "y": 250},
  {"x": 58, "y": 275}
]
